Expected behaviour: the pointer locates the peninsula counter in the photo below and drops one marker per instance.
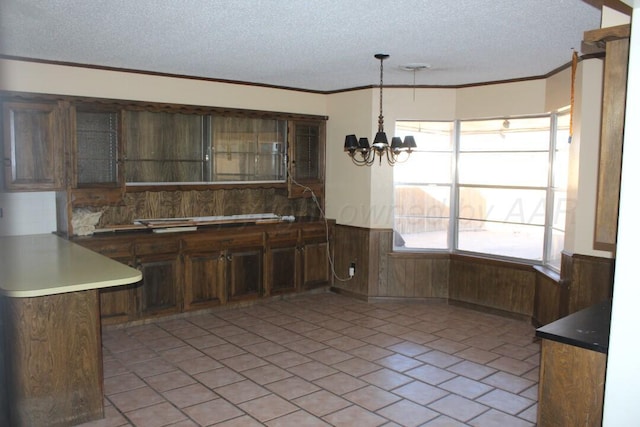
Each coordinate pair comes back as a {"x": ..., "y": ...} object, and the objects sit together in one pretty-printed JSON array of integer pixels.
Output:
[{"x": 50, "y": 337}]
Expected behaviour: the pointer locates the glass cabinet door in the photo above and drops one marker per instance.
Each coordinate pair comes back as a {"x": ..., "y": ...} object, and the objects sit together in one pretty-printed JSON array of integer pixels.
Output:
[
  {"x": 97, "y": 145},
  {"x": 166, "y": 147},
  {"x": 248, "y": 149}
]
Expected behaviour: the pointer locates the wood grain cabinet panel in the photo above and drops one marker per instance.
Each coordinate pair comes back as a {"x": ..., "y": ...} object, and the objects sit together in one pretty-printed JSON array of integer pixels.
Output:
[
  {"x": 118, "y": 303},
  {"x": 53, "y": 359},
  {"x": 244, "y": 273},
  {"x": 571, "y": 389},
  {"x": 33, "y": 146},
  {"x": 160, "y": 291},
  {"x": 282, "y": 269},
  {"x": 315, "y": 270},
  {"x": 204, "y": 279},
  {"x": 203, "y": 269},
  {"x": 282, "y": 261}
]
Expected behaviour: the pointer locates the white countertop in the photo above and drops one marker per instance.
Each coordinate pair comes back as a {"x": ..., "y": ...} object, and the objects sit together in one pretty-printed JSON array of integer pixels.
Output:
[{"x": 45, "y": 264}]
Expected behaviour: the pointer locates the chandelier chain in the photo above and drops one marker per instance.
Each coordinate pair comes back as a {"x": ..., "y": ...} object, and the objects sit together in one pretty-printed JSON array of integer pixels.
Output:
[{"x": 380, "y": 117}]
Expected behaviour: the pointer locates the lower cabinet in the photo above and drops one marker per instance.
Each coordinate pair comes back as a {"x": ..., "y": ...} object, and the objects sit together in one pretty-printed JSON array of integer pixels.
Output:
[
  {"x": 282, "y": 262},
  {"x": 159, "y": 292},
  {"x": 203, "y": 269},
  {"x": 315, "y": 262},
  {"x": 117, "y": 304},
  {"x": 571, "y": 389},
  {"x": 244, "y": 273},
  {"x": 204, "y": 279}
]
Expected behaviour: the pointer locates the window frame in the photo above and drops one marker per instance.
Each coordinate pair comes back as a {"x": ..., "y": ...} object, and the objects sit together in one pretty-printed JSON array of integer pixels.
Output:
[{"x": 455, "y": 187}]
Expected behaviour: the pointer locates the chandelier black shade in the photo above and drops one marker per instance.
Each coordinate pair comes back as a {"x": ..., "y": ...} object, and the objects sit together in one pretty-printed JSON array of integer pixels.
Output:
[{"x": 363, "y": 154}]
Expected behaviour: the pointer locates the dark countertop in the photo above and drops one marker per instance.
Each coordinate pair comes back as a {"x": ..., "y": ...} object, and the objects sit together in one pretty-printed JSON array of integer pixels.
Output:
[{"x": 587, "y": 328}]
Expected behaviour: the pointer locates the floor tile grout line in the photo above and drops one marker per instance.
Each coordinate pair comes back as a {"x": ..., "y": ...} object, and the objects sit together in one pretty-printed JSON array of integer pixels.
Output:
[{"x": 199, "y": 349}]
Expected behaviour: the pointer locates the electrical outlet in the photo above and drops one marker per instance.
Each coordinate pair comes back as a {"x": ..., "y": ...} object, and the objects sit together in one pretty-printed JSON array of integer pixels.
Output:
[{"x": 352, "y": 269}]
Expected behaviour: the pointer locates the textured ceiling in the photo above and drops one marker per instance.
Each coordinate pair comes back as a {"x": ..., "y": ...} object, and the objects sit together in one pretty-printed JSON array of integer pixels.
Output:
[{"x": 320, "y": 45}]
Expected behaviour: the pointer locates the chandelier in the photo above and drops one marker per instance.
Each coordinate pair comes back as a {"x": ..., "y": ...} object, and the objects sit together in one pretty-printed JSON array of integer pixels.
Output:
[{"x": 363, "y": 154}]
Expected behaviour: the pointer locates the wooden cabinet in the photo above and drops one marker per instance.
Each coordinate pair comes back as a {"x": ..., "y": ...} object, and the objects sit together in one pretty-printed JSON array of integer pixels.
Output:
[
  {"x": 244, "y": 273},
  {"x": 96, "y": 156},
  {"x": 165, "y": 147},
  {"x": 97, "y": 147},
  {"x": 117, "y": 304},
  {"x": 571, "y": 389},
  {"x": 221, "y": 268},
  {"x": 204, "y": 260},
  {"x": 616, "y": 43},
  {"x": 282, "y": 261},
  {"x": 198, "y": 270},
  {"x": 315, "y": 252},
  {"x": 91, "y": 148},
  {"x": 573, "y": 366},
  {"x": 244, "y": 264},
  {"x": 158, "y": 259},
  {"x": 159, "y": 293},
  {"x": 204, "y": 279},
  {"x": 248, "y": 149},
  {"x": 307, "y": 157},
  {"x": 52, "y": 360},
  {"x": 33, "y": 145}
]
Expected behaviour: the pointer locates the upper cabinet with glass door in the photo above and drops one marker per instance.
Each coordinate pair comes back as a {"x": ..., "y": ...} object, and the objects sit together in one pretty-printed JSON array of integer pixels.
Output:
[
  {"x": 166, "y": 147},
  {"x": 98, "y": 148},
  {"x": 248, "y": 149},
  {"x": 306, "y": 151},
  {"x": 190, "y": 148}
]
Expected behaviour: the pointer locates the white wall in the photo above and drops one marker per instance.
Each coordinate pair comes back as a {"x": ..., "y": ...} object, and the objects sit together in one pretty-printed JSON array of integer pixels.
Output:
[
  {"x": 27, "y": 213},
  {"x": 62, "y": 80},
  {"x": 506, "y": 99},
  {"x": 622, "y": 387}
]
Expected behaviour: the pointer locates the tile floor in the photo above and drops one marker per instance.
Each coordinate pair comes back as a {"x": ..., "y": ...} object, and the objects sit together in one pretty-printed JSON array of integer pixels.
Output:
[{"x": 323, "y": 360}]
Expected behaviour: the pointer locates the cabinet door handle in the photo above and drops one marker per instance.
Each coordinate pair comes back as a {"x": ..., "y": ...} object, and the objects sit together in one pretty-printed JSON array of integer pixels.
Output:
[{"x": 229, "y": 258}]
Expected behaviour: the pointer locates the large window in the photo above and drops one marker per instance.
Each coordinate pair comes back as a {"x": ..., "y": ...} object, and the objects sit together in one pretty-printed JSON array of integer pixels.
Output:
[{"x": 484, "y": 186}]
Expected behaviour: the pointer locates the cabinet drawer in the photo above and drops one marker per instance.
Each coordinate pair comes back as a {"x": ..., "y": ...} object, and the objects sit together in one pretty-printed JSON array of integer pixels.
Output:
[
  {"x": 111, "y": 249},
  {"x": 314, "y": 232},
  {"x": 281, "y": 236},
  {"x": 210, "y": 243},
  {"x": 161, "y": 245}
]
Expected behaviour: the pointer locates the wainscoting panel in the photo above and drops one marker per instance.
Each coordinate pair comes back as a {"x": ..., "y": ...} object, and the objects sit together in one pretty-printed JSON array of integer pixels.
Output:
[
  {"x": 497, "y": 285},
  {"x": 352, "y": 245},
  {"x": 416, "y": 276},
  {"x": 551, "y": 297},
  {"x": 590, "y": 280}
]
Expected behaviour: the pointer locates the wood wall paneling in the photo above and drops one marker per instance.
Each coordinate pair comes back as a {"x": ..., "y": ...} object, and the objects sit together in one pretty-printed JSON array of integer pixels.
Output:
[
  {"x": 551, "y": 297},
  {"x": 591, "y": 281},
  {"x": 417, "y": 276},
  {"x": 496, "y": 285},
  {"x": 352, "y": 245},
  {"x": 380, "y": 245}
]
